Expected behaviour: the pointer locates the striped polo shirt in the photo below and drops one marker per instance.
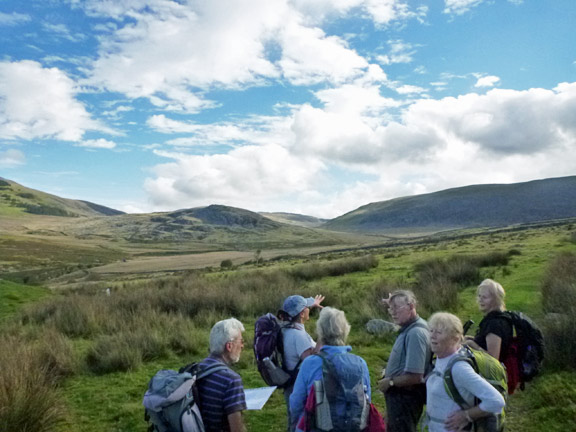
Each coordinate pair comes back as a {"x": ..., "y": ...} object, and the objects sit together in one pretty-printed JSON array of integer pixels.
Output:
[{"x": 221, "y": 394}]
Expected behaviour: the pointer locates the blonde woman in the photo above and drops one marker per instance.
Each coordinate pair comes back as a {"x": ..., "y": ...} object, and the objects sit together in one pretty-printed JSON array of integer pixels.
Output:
[
  {"x": 495, "y": 331},
  {"x": 442, "y": 413}
]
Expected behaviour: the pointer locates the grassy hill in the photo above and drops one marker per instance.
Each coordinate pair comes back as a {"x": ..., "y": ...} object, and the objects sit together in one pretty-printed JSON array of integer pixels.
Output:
[
  {"x": 295, "y": 219},
  {"x": 476, "y": 206},
  {"x": 215, "y": 227},
  {"x": 16, "y": 199}
]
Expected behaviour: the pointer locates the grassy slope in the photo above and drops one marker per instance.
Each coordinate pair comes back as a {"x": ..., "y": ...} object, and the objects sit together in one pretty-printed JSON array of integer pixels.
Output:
[
  {"x": 113, "y": 402},
  {"x": 13, "y": 296}
]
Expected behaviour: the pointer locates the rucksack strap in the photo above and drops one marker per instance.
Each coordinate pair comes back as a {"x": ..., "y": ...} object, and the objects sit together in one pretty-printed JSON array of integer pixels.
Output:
[
  {"x": 449, "y": 383},
  {"x": 203, "y": 373}
]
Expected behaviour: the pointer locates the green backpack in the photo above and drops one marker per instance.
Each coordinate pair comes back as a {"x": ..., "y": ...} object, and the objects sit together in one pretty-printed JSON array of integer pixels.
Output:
[{"x": 492, "y": 371}]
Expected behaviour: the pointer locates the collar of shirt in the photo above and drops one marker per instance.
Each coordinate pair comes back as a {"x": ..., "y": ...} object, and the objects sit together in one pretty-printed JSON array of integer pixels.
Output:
[{"x": 408, "y": 325}]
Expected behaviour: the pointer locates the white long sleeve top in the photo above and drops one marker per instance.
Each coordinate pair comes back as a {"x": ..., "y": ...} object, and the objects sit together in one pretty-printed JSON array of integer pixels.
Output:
[{"x": 468, "y": 383}]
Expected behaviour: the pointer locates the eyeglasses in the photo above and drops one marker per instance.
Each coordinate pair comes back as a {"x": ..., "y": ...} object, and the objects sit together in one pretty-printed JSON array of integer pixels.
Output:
[{"x": 396, "y": 309}]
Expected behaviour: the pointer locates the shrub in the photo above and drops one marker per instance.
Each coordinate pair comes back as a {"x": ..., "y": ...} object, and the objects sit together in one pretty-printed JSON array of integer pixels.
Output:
[
  {"x": 56, "y": 355},
  {"x": 113, "y": 354},
  {"x": 559, "y": 285},
  {"x": 459, "y": 270},
  {"x": 226, "y": 264},
  {"x": 436, "y": 293},
  {"x": 29, "y": 400},
  {"x": 560, "y": 336},
  {"x": 339, "y": 267}
]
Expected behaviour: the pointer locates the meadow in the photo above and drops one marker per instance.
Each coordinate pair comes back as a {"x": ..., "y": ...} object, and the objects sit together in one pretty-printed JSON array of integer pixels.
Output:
[{"x": 76, "y": 359}]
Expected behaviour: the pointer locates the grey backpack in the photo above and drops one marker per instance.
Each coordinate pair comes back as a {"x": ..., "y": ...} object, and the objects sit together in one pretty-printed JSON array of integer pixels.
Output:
[{"x": 171, "y": 399}]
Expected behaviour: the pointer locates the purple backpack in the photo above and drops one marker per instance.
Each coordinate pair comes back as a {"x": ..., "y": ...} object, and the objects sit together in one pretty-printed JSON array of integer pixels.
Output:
[{"x": 268, "y": 351}]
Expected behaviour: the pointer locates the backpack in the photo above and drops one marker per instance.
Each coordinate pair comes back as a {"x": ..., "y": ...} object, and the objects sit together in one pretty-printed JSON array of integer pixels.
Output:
[
  {"x": 492, "y": 371},
  {"x": 268, "y": 351},
  {"x": 526, "y": 348},
  {"x": 341, "y": 387},
  {"x": 171, "y": 399}
]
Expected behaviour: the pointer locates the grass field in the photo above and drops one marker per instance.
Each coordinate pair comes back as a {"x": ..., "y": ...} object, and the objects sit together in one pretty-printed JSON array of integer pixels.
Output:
[{"x": 163, "y": 322}]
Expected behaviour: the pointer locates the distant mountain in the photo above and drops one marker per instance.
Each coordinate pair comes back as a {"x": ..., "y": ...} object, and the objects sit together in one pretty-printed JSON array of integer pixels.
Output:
[
  {"x": 476, "y": 206},
  {"x": 17, "y": 199},
  {"x": 295, "y": 219},
  {"x": 218, "y": 226}
]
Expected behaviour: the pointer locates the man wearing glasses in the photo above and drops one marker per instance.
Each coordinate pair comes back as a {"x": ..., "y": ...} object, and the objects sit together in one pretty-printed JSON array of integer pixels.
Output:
[
  {"x": 221, "y": 394},
  {"x": 402, "y": 382}
]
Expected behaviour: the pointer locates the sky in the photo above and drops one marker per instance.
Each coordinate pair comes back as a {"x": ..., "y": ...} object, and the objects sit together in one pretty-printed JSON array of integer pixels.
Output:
[{"x": 314, "y": 107}]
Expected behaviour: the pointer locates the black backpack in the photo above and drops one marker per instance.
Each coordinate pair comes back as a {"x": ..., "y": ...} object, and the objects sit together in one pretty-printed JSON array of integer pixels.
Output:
[
  {"x": 268, "y": 351},
  {"x": 528, "y": 342}
]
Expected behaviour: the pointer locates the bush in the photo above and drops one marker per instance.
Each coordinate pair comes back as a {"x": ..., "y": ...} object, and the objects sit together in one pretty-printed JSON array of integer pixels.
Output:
[
  {"x": 56, "y": 355},
  {"x": 559, "y": 285},
  {"x": 29, "y": 400},
  {"x": 113, "y": 354},
  {"x": 226, "y": 264},
  {"x": 339, "y": 267},
  {"x": 436, "y": 293},
  {"x": 459, "y": 270},
  {"x": 560, "y": 336}
]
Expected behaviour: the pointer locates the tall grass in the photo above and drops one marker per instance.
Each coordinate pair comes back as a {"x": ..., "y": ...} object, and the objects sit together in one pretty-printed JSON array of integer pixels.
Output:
[
  {"x": 29, "y": 400},
  {"x": 559, "y": 285},
  {"x": 559, "y": 300},
  {"x": 311, "y": 271}
]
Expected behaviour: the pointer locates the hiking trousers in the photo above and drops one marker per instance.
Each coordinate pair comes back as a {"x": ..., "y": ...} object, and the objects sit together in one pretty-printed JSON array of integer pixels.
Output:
[{"x": 404, "y": 407}]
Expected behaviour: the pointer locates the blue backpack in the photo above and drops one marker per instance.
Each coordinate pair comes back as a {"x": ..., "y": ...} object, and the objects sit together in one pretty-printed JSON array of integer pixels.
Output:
[
  {"x": 341, "y": 401},
  {"x": 171, "y": 399}
]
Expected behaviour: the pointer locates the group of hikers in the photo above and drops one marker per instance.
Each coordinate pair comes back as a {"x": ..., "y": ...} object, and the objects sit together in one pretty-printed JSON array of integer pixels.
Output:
[{"x": 328, "y": 387}]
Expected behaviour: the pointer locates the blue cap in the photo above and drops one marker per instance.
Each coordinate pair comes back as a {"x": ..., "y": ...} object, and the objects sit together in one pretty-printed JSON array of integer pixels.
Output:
[{"x": 295, "y": 304}]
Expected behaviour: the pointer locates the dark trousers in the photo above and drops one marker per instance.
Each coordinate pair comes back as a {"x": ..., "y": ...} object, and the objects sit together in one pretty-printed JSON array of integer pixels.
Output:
[
  {"x": 287, "y": 393},
  {"x": 404, "y": 407}
]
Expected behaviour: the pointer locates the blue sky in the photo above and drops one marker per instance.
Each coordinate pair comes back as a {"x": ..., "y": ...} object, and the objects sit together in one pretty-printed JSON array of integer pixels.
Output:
[{"x": 305, "y": 106}]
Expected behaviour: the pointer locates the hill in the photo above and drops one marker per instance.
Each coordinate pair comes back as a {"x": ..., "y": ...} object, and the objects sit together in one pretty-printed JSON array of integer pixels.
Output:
[
  {"x": 492, "y": 205},
  {"x": 217, "y": 226},
  {"x": 16, "y": 199},
  {"x": 295, "y": 219}
]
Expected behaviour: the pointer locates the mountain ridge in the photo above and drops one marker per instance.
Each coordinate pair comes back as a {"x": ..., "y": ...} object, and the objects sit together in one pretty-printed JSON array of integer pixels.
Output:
[{"x": 474, "y": 206}]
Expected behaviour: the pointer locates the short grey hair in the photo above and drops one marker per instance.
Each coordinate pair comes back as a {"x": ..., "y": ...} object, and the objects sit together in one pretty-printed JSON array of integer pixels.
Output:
[
  {"x": 447, "y": 322},
  {"x": 332, "y": 327},
  {"x": 224, "y": 331},
  {"x": 407, "y": 295},
  {"x": 496, "y": 290}
]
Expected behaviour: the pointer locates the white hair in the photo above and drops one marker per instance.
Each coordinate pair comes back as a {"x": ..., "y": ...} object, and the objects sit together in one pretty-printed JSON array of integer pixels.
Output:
[
  {"x": 224, "y": 331},
  {"x": 332, "y": 327}
]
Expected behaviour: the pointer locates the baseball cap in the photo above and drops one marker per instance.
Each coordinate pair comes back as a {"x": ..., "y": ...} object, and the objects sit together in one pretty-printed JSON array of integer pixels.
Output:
[{"x": 295, "y": 304}]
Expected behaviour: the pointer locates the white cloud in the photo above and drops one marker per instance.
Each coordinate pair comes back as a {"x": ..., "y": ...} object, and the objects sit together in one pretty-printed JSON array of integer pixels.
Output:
[
  {"x": 13, "y": 19},
  {"x": 400, "y": 52},
  {"x": 37, "y": 102},
  {"x": 503, "y": 121},
  {"x": 487, "y": 81},
  {"x": 259, "y": 130},
  {"x": 12, "y": 158},
  {"x": 174, "y": 53},
  {"x": 62, "y": 31},
  {"x": 245, "y": 175},
  {"x": 99, "y": 143},
  {"x": 433, "y": 145},
  {"x": 459, "y": 7},
  {"x": 410, "y": 89}
]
